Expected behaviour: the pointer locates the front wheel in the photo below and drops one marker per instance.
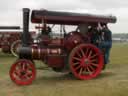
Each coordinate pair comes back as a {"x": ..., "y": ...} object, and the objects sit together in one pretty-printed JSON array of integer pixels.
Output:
[
  {"x": 86, "y": 61},
  {"x": 23, "y": 72}
]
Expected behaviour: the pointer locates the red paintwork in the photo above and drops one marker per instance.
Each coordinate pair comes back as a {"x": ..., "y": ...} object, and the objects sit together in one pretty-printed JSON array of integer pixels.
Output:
[
  {"x": 23, "y": 72},
  {"x": 72, "y": 40},
  {"x": 86, "y": 61},
  {"x": 44, "y": 40},
  {"x": 58, "y": 42},
  {"x": 55, "y": 61},
  {"x": 71, "y": 53}
]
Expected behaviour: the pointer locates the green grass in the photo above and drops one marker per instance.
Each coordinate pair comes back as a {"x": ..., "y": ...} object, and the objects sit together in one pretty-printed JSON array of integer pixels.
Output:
[{"x": 111, "y": 82}]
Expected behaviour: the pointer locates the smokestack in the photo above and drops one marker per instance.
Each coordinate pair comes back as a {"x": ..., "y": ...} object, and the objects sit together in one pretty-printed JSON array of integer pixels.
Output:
[{"x": 26, "y": 35}]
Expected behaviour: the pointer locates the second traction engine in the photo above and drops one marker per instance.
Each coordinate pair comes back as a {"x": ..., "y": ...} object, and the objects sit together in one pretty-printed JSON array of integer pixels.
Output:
[{"x": 72, "y": 53}]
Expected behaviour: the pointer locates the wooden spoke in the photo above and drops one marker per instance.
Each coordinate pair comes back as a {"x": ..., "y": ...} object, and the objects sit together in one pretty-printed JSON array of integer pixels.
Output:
[
  {"x": 23, "y": 66},
  {"x": 93, "y": 56},
  {"x": 81, "y": 69},
  {"x": 78, "y": 54},
  {"x": 28, "y": 67},
  {"x": 76, "y": 58},
  {"x": 76, "y": 68},
  {"x": 29, "y": 74},
  {"x": 81, "y": 50},
  {"x": 77, "y": 63},
  {"x": 91, "y": 68},
  {"x": 19, "y": 65},
  {"x": 17, "y": 72},
  {"x": 94, "y": 60},
  {"x": 90, "y": 53},
  {"x": 88, "y": 69},
  {"x": 87, "y": 51},
  {"x": 96, "y": 65}
]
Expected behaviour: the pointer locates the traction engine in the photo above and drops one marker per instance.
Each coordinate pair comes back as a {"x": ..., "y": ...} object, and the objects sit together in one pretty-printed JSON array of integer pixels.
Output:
[{"x": 72, "y": 53}]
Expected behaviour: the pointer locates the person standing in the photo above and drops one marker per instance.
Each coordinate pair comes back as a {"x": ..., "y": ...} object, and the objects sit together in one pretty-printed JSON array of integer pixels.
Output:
[{"x": 106, "y": 42}]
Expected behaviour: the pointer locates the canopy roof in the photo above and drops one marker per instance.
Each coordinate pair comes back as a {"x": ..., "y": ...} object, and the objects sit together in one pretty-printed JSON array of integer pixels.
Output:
[{"x": 68, "y": 18}]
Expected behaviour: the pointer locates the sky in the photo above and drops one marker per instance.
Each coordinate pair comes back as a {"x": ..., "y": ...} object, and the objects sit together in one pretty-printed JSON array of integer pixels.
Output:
[{"x": 11, "y": 10}]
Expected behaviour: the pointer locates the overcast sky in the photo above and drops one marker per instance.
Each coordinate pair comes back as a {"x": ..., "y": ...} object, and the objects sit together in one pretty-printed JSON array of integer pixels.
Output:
[{"x": 11, "y": 10}]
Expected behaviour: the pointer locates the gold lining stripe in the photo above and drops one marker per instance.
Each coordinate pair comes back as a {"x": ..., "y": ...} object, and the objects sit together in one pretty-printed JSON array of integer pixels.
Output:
[
  {"x": 32, "y": 52},
  {"x": 39, "y": 50}
]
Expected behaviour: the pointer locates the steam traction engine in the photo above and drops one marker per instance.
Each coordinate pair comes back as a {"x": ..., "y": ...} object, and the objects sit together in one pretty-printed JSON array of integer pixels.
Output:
[
  {"x": 72, "y": 52},
  {"x": 7, "y": 37}
]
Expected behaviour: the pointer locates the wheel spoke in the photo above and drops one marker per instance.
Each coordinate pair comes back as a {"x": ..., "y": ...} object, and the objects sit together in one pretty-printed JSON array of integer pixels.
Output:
[
  {"x": 83, "y": 54},
  {"x": 28, "y": 67},
  {"x": 91, "y": 68},
  {"x": 88, "y": 69},
  {"x": 28, "y": 74},
  {"x": 96, "y": 65},
  {"x": 19, "y": 65},
  {"x": 93, "y": 56},
  {"x": 94, "y": 60},
  {"x": 23, "y": 66},
  {"x": 76, "y": 63},
  {"x": 77, "y": 67},
  {"x": 90, "y": 53},
  {"x": 78, "y": 54},
  {"x": 17, "y": 72},
  {"x": 77, "y": 58},
  {"x": 24, "y": 77},
  {"x": 81, "y": 69},
  {"x": 87, "y": 51}
]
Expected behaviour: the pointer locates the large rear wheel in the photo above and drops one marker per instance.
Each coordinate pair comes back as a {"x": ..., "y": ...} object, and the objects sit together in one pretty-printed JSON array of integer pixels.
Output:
[{"x": 86, "y": 61}]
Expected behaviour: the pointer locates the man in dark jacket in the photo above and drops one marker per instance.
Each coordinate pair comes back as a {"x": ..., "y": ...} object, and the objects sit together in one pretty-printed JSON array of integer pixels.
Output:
[{"x": 106, "y": 42}]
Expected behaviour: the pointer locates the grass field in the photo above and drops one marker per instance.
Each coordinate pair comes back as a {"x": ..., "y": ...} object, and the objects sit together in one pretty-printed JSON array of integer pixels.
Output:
[{"x": 111, "y": 82}]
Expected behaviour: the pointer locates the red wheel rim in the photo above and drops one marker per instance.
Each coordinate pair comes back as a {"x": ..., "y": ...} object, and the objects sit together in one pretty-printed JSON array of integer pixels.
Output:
[
  {"x": 23, "y": 72},
  {"x": 86, "y": 61}
]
